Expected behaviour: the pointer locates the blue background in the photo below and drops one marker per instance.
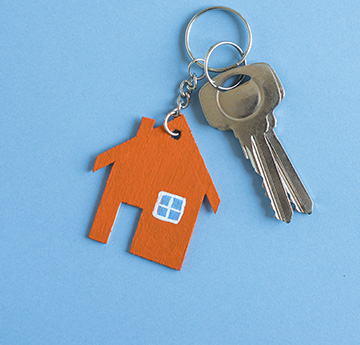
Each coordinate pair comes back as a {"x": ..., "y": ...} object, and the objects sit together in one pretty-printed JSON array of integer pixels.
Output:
[{"x": 75, "y": 79}]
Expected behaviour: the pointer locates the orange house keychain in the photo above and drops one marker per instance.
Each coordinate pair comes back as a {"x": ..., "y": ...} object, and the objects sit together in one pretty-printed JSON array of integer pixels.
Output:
[
  {"x": 167, "y": 178},
  {"x": 162, "y": 172}
]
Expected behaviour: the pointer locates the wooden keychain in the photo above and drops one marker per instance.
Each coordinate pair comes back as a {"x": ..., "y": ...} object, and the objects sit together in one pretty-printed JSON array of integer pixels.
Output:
[{"x": 162, "y": 172}]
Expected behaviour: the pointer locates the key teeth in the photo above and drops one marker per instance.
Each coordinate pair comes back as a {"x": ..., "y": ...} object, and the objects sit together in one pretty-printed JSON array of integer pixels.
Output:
[
  {"x": 307, "y": 209},
  {"x": 297, "y": 193},
  {"x": 287, "y": 221},
  {"x": 272, "y": 183}
]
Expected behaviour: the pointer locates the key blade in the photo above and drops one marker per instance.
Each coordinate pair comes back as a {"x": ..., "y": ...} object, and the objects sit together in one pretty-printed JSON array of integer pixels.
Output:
[
  {"x": 293, "y": 184},
  {"x": 271, "y": 178}
]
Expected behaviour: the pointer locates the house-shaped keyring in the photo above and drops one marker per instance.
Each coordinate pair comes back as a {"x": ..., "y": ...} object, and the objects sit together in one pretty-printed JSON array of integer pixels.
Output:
[{"x": 164, "y": 176}]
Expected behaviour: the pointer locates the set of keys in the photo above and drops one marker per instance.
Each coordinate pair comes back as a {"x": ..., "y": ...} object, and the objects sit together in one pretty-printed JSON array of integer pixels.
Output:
[{"x": 248, "y": 110}]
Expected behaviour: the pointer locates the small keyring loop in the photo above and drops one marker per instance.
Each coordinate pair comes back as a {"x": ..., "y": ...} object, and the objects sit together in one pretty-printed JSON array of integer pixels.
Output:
[
  {"x": 202, "y": 66},
  {"x": 166, "y": 120},
  {"x": 206, "y": 63},
  {"x": 187, "y": 35}
]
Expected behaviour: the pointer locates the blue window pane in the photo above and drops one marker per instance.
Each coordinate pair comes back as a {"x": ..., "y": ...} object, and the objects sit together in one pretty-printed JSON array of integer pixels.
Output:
[
  {"x": 174, "y": 215},
  {"x": 165, "y": 200},
  {"x": 169, "y": 207},
  {"x": 176, "y": 204},
  {"x": 161, "y": 211}
]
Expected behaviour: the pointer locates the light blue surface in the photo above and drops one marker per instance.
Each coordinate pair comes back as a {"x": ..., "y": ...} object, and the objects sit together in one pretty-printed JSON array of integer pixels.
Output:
[{"x": 75, "y": 79}]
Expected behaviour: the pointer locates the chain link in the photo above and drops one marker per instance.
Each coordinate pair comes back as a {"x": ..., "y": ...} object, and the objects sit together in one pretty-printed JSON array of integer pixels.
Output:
[{"x": 187, "y": 86}]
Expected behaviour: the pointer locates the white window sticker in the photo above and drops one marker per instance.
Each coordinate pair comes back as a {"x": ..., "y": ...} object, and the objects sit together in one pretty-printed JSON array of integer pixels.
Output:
[{"x": 169, "y": 207}]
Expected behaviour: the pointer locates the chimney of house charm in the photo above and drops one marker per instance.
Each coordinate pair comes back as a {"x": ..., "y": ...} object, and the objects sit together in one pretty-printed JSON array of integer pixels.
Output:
[{"x": 146, "y": 125}]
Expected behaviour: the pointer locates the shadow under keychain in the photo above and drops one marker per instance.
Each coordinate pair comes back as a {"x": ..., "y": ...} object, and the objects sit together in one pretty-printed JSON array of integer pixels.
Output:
[{"x": 247, "y": 108}]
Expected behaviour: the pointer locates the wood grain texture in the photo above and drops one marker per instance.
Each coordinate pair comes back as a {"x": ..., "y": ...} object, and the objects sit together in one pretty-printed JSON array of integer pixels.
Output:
[{"x": 145, "y": 165}]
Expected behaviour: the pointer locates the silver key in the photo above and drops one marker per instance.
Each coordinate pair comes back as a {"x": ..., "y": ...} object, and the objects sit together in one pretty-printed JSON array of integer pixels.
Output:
[{"x": 248, "y": 111}]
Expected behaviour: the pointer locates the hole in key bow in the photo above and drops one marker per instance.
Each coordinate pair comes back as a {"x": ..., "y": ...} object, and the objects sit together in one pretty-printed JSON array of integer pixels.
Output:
[{"x": 235, "y": 80}]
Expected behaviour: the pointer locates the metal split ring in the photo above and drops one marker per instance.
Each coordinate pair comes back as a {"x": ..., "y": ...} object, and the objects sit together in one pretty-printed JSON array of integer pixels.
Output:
[
  {"x": 207, "y": 69},
  {"x": 197, "y": 61}
]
